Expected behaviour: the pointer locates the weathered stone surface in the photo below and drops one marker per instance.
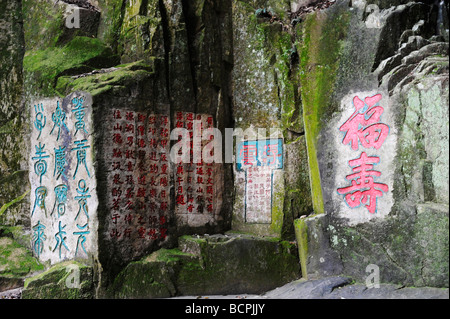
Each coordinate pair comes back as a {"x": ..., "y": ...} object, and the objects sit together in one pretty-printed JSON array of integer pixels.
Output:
[
  {"x": 416, "y": 73},
  {"x": 265, "y": 82},
  {"x": 13, "y": 181},
  {"x": 214, "y": 264},
  {"x": 343, "y": 288},
  {"x": 317, "y": 257}
]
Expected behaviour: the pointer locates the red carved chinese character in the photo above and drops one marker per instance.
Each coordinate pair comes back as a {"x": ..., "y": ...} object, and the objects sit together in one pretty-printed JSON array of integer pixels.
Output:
[
  {"x": 141, "y": 192},
  {"x": 141, "y": 232},
  {"x": 118, "y": 127},
  {"x": 129, "y": 116},
  {"x": 117, "y": 153},
  {"x": 116, "y": 166},
  {"x": 114, "y": 218},
  {"x": 152, "y": 234},
  {"x": 117, "y": 138},
  {"x": 130, "y": 140},
  {"x": 116, "y": 204},
  {"x": 117, "y": 115},
  {"x": 249, "y": 153},
  {"x": 130, "y": 166},
  {"x": 141, "y": 117},
  {"x": 129, "y": 193},
  {"x": 164, "y": 120},
  {"x": 363, "y": 126},
  {"x": 116, "y": 179},
  {"x": 129, "y": 180},
  {"x": 129, "y": 205},
  {"x": 116, "y": 192},
  {"x": 163, "y": 233},
  {"x": 164, "y": 132},
  {"x": 180, "y": 200},
  {"x": 129, "y": 128},
  {"x": 127, "y": 233},
  {"x": 115, "y": 233},
  {"x": 141, "y": 142},
  {"x": 128, "y": 218},
  {"x": 363, "y": 188},
  {"x": 141, "y": 180},
  {"x": 163, "y": 181},
  {"x": 270, "y": 154}
]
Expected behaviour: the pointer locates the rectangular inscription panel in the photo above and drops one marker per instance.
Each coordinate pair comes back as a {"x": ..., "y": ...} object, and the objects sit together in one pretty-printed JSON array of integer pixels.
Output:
[
  {"x": 62, "y": 177},
  {"x": 258, "y": 159}
]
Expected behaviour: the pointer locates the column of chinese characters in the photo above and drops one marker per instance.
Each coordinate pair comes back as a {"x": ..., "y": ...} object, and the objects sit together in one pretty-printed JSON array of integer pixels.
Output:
[
  {"x": 82, "y": 175},
  {"x": 158, "y": 137},
  {"x": 364, "y": 128},
  {"x": 183, "y": 174},
  {"x": 117, "y": 166},
  {"x": 206, "y": 170},
  {"x": 39, "y": 162},
  {"x": 259, "y": 192},
  {"x": 139, "y": 176},
  {"x": 194, "y": 181}
]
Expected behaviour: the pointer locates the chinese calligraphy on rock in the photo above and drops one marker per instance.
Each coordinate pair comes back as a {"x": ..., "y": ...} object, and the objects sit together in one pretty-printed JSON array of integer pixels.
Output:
[
  {"x": 60, "y": 175},
  {"x": 364, "y": 127}
]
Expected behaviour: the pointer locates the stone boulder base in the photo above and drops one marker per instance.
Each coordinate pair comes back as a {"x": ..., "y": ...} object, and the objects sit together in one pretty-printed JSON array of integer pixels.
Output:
[{"x": 218, "y": 264}]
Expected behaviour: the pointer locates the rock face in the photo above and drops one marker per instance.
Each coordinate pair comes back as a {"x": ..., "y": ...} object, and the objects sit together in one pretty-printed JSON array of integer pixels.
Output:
[
  {"x": 324, "y": 122},
  {"x": 218, "y": 264},
  {"x": 13, "y": 181},
  {"x": 409, "y": 58}
]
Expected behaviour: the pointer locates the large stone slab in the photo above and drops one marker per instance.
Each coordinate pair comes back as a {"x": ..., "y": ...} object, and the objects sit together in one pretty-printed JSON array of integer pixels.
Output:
[{"x": 63, "y": 200}]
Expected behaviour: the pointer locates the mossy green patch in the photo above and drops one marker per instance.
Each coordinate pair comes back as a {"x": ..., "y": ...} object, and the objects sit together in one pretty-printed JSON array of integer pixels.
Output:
[
  {"x": 320, "y": 51},
  {"x": 301, "y": 234},
  {"x": 80, "y": 55},
  {"x": 97, "y": 84},
  {"x": 57, "y": 283},
  {"x": 15, "y": 200},
  {"x": 16, "y": 261}
]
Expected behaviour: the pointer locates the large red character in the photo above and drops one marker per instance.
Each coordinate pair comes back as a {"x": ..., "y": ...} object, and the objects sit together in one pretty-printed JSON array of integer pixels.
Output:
[
  {"x": 363, "y": 126},
  {"x": 363, "y": 189}
]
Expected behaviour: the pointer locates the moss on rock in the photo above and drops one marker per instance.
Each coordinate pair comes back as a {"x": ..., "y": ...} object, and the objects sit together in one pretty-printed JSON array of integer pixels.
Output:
[
  {"x": 59, "y": 282},
  {"x": 217, "y": 264},
  {"x": 80, "y": 55},
  {"x": 120, "y": 77}
]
